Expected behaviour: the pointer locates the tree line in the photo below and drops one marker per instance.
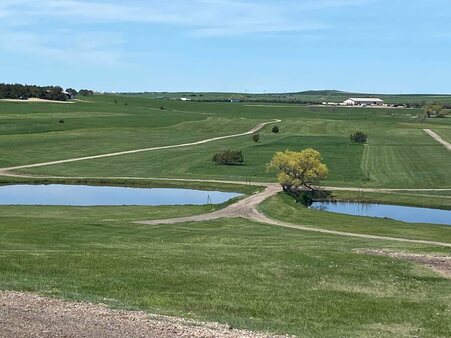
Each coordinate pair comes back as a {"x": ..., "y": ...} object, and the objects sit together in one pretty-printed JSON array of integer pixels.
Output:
[{"x": 24, "y": 92}]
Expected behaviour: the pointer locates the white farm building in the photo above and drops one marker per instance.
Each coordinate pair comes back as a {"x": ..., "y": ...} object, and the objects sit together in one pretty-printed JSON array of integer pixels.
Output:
[{"x": 363, "y": 101}]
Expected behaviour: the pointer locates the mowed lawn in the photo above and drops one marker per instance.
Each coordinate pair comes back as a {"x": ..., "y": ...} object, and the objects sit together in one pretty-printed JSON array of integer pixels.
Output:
[
  {"x": 231, "y": 270},
  {"x": 398, "y": 154}
]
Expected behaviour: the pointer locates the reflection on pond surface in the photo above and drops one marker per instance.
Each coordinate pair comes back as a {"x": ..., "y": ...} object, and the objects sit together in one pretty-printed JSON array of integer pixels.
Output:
[
  {"x": 396, "y": 212},
  {"x": 82, "y": 195}
]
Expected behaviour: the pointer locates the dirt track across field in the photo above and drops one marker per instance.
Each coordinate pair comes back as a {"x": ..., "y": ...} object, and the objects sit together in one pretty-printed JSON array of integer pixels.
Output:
[
  {"x": 24, "y": 315},
  {"x": 247, "y": 208},
  {"x": 438, "y": 138},
  {"x": 135, "y": 151}
]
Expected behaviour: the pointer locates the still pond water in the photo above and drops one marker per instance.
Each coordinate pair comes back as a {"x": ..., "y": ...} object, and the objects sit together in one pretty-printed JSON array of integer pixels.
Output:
[
  {"x": 82, "y": 195},
  {"x": 400, "y": 213}
]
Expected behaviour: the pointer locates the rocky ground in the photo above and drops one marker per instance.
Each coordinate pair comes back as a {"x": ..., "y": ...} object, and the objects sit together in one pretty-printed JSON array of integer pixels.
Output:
[{"x": 29, "y": 315}]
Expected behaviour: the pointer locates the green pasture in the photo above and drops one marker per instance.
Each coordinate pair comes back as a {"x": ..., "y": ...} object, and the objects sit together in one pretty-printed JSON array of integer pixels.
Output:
[
  {"x": 398, "y": 154},
  {"x": 232, "y": 271},
  {"x": 284, "y": 207}
]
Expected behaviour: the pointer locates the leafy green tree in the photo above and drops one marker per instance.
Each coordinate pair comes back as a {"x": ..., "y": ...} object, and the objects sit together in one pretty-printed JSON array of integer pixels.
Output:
[
  {"x": 275, "y": 129},
  {"x": 432, "y": 109},
  {"x": 256, "y": 137},
  {"x": 297, "y": 170},
  {"x": 228, "y": 157},
  {"x": 86, "y": 92},
  {"x": 359, "y": 137}
]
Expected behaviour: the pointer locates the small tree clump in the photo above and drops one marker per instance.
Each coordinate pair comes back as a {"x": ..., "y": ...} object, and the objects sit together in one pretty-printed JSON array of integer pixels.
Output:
[
  {"x": 256, "y": 137},
  {"x": 359, "y": 137},
  {"x": 228, "y": 157},
  {"x": 162, "y": 108},
  {"x": 275, "y": 129},
  {"x": 61, "y": 121}
]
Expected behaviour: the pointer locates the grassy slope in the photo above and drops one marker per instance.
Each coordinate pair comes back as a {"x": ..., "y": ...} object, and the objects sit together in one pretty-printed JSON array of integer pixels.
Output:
[
  {"x": 399, "y": 154},
  {"x": 234, "y": 271},
  {"x": 284, "y": 207},
  {"x": 425, "y": 199}
]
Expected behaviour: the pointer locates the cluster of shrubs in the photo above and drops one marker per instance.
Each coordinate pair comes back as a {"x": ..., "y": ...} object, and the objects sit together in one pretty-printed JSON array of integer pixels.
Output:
[
  {"x": 18, "y": 91},
  {"x": 86, "y": 92},
  {"x": 228, "y": 157},
  {"x": 359, "y": 137},
  {"x": 24, "y": 92}
]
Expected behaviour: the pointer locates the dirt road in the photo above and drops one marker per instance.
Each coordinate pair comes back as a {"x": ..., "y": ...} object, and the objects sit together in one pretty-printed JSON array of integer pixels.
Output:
[
  {"x": 135, "y": 151},
  {"x": 247, "y": 208},
  {"x": 438, "y": 138}
]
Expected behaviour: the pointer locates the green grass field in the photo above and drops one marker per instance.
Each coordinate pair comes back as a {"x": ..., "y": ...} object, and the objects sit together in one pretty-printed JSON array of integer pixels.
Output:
[
  {"x": 307, "y": 96},
  {"x": 399, "y": 153},
  {"x": 284, "y": 207},
  {"x": 232, "y": 271}
]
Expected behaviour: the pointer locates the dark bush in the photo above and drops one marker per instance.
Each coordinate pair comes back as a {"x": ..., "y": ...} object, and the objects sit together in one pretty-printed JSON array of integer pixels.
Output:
[
  {"x": 228, "y": 157},
  {"x": 86, "y": 92},
  {"x": 61, "y": 121},
  {"x": 275, "y": 129},
  {"x": 256, "y": 137},
  {"x": 359, "y": 137},
  {"x": 162, "y": 108}
]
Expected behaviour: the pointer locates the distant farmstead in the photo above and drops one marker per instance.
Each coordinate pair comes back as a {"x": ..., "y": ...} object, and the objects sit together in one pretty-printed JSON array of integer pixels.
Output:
[{"x": 363, "y": 101}]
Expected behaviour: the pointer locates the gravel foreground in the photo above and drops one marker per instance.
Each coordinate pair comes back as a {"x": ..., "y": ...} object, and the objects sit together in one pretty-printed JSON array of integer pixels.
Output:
[{"x": 29, "y": 315}]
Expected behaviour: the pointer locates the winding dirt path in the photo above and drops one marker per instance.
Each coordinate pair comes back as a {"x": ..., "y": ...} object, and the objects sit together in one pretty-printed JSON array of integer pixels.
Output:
[
  {"x": 248, "y": 208},
  {"x": 135, "y": 151},
  {"x": 438, "y": 138}
]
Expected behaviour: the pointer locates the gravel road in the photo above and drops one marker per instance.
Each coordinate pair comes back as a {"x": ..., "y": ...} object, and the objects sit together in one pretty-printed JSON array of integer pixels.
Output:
[{"x": 28, "y": 315}]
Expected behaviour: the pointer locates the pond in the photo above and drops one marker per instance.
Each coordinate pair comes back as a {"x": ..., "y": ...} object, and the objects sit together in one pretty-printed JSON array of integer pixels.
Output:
[
  {"x": 396, "y": 212},
  {"x": 82, "y": 195}
]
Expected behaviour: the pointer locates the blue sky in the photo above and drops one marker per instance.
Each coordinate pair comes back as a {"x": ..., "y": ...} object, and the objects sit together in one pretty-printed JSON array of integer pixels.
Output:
[{"x": 397, "y": 46}]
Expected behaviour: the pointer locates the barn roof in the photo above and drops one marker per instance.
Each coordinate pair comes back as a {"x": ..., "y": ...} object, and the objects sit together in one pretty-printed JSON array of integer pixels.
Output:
[{"x": 366, "y": 99}]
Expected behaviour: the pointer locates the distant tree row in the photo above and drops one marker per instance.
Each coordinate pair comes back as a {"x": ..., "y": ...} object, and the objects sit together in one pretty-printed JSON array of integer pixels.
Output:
[
  {"x": 24, "y": 92},
  {"x": 86, "y": 92}
]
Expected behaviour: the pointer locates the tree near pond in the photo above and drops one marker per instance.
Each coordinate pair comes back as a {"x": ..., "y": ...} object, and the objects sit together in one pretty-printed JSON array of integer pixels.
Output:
[{"x": 298, "y": 170}]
